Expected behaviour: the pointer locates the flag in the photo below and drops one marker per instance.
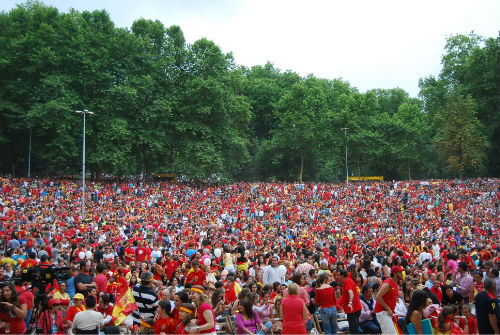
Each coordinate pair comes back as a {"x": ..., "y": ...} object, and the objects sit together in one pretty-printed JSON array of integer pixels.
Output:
[
  {"x": 56, "y": 286},
  {"x": 125, "y": 302},
  {"x": 396, "y": 325}
]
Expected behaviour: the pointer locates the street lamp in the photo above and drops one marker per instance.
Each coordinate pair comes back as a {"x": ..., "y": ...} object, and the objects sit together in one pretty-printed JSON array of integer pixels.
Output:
[
  {"x": 84, "y": 112},
  {"x": 346, "y": 165}
]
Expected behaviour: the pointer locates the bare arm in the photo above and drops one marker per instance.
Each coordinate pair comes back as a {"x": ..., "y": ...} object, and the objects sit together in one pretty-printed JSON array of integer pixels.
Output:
[
  {"x": 416, "y": 319},
  {"x": 383, "y": 291},
  {"x": 494, "y": 323},
  {"x": 305, "y": 312}
]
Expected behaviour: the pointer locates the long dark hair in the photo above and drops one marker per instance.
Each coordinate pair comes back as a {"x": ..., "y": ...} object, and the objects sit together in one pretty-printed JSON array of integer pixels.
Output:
[
  {"x": 13, "y": 298},
  {"x": 247, "y": 306},
  {"x": 215, "y": 296},
  {"x": 417, "y": 302}
]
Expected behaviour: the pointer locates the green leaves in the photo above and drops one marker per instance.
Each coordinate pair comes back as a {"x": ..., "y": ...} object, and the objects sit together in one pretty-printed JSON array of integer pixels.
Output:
[{"x": 163, "y": 105}]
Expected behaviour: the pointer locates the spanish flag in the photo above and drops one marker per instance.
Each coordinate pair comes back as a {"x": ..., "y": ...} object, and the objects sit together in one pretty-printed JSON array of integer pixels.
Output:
[{"x": 125, "y": 302}]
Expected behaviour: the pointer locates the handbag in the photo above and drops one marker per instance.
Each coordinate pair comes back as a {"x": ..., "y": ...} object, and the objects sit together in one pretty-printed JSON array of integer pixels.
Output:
[{"x": 426, "y": 327}]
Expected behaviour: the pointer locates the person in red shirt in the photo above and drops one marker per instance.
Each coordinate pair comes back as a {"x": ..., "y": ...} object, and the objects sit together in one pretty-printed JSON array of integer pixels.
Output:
[
  {"x": 436, "y": 289},
  {"x": 350, "y": 301},
  {"x": 106, "y": 309},
  {"x": 129, "y": 254},
  {"x": 471, "y": 320},
  {"x": 100, "y": 280},
  {"x": 195, "y": 275},
  {"x": 179, "y": 299},
  {"x": 14, "y": 310},
  {"x": 325, "y": 298},
  {"x": 387, "y": 298},
  {"x": 30, "y": 262},
  {"x": 73, "y": 310},
  {"x": 169, "y": 266},
  {"x": 142, "y": 254},
  {"x": 164, "y": 324}
]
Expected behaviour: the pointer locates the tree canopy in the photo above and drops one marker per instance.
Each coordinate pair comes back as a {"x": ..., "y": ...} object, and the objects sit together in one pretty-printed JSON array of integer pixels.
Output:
[{"x": 163, "y": 105}]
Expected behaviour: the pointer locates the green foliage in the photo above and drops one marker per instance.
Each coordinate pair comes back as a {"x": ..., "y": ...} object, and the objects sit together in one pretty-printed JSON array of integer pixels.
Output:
[
  {"x": 459, "y": 137},
  {"x": 471, "y": 66},
  {"x": 163, "y": 105}
]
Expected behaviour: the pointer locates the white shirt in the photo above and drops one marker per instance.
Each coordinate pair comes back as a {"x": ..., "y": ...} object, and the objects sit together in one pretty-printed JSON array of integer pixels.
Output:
[{"x": 87, "y": 320}]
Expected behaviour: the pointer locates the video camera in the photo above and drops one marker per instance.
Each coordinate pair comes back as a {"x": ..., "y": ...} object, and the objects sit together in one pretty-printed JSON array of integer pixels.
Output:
[{"x": 42, "y": 275}]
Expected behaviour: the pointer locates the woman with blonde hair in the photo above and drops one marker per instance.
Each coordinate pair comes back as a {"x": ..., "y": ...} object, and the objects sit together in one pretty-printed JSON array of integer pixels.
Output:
[
  {"x": 204, "y": 312},
  {"x": 294, "y": 312}
]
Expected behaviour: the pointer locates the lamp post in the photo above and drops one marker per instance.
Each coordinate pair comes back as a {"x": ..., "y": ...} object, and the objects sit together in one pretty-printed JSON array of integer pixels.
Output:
[
  {"x": 346, "y": 165},
  {"x": 84, "y": 112},
  {"x": 29, "y": 157}
]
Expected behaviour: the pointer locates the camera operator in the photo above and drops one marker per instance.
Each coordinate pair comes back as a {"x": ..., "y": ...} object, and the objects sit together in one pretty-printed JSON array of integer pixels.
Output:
[
  {"x": 83, "y": 281},
  {"x": 52, "y": 318}
]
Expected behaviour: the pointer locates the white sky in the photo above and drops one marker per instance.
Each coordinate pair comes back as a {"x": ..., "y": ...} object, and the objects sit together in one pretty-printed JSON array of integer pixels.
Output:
[{"x": 369, "y": 43}]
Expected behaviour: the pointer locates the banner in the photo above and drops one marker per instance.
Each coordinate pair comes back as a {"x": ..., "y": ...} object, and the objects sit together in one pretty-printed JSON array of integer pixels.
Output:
[{"x": 125, "y": 302}]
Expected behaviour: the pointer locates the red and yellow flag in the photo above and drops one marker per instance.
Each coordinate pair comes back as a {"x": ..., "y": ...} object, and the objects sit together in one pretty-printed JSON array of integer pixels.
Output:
[{"x": 125, "y": 302}]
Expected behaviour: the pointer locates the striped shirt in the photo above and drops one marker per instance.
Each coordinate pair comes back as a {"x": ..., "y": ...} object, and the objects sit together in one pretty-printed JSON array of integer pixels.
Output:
[{"x": 147, "y": 302}]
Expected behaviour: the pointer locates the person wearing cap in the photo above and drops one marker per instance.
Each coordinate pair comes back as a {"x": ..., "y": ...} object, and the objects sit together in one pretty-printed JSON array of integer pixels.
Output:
[
  {"x": 204, "y": 312},
  {"x": 387, "y": 298},
  {"x": 77, "y": 307},
  {"x": 51, "y": 320},
  {"x": 147, "y": 303}
]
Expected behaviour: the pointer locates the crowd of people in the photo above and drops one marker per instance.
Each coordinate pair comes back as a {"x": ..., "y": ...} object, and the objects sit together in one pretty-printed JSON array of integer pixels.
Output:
[{"x": 378, "y": 257}]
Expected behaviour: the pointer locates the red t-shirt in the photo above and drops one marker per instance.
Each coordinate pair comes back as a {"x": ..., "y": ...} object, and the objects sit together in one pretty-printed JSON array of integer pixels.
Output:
[
  {"x": 17, "y": 325},
  {"x": 196, "y": 277},
  {"x": 472, "y": 324},
  {"x": 390, "y": 298},
  {"x": 101, "y": 282},
  {"x": 72, "y": 311},
  {"x": 438, "y": 292},
  {"x": 170, "y": 268},
  {"x": 349, "y": 284},
  {"x": 141, "y": 254},
  {"x": 129, "y": 254},
  {"x": 326, "y": 297},
  {"x": 176, "y": 320},
  {"x": 108, "y": 310},
  {"x": 201, "y": 320},
  {"x": 164, "y": 325}
]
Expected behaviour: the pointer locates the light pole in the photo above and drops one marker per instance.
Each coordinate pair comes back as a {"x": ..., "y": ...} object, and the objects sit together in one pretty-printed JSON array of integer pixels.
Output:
[
  {"x": 346, "y": 165},
  {"x": 29, "y": 157},
  {"x": 84, "y": 112}
]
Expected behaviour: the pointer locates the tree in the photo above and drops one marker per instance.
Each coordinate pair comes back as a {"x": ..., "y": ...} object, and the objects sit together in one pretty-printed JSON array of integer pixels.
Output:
[{"x": 459, "y": 136}]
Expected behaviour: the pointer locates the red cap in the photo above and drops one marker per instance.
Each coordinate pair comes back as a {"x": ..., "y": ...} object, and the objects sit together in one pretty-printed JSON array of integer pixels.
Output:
[
  {"x": 53, "y": 302},
  {"x": 396, "y": 268}
]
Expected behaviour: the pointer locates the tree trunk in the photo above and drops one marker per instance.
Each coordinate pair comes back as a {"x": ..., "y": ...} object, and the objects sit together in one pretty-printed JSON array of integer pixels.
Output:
[
  {"x": 146, "y": 164},
  {"x": 359, "y": 168},
  {"x": 409, "y": 173},
  {"x": 301, "y": 167}
]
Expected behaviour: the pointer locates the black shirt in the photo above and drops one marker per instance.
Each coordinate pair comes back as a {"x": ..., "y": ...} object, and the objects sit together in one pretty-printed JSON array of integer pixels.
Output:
[
  {"x": 456, "y": 299},
  {"x": 485, "y": 306},
  {"x": 84, "y": 279}
]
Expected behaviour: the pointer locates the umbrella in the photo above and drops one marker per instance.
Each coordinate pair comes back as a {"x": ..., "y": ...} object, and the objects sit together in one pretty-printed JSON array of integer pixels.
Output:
[{"x": 190, "y": 252}]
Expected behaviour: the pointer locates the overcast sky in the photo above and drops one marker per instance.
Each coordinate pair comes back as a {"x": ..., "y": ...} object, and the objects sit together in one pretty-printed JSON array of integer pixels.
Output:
[{"x": 371, "y": 43}]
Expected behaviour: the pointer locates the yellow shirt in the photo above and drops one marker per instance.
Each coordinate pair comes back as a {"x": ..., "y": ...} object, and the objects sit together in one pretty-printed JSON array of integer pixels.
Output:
[
  {"x": 9, "y": 260},
  {"x": 61, "y": 296}
]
